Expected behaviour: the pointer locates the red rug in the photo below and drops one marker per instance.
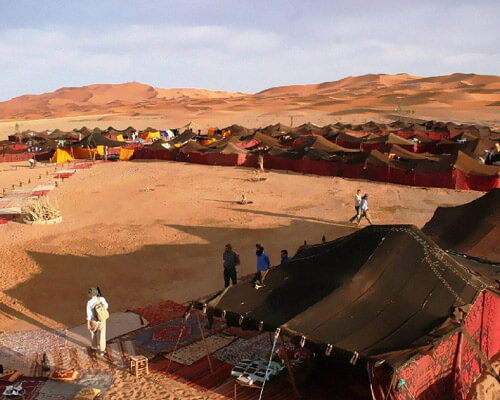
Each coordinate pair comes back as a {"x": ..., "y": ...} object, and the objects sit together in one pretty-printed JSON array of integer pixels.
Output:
[
  {"x": 83, "y": 165},
  {"x": 63, "y": 175},
  {"x": 161, "y": 312},
  {"x": 40, "y": 192},
  {"x": 31, "y": 385},
  {"x": 220, "y": 380},
  {"x": 4, "y": 218},
  {"x": 198, "y": 374}
]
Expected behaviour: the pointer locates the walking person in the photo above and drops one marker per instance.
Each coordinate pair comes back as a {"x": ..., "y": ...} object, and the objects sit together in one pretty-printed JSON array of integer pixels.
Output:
[
  {"x": 95, "y": 323},
  {"x": 263, "y": 264},
  {"x": 230, "y": 260},
  {"x": 357, "y": 203},
  {"x": 363, "y": 210}
]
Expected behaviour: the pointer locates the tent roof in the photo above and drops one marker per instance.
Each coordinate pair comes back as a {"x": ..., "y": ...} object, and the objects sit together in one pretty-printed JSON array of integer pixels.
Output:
[
  {"x": 381, "y": 289},
  {"x": 472, "y": 228},
  {"x": 97, "y": 139},
  {"x": 320, "y": 143},
  {"x": 471, "y": 166}
]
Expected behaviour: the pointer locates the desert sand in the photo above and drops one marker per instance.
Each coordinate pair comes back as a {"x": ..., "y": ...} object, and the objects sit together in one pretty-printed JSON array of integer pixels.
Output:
[{"x": 147, "y": 231}]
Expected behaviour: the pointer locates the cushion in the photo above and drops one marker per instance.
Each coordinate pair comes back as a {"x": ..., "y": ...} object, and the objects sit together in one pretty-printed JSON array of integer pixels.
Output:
[
  {"x": 87, "y": 394},
  {"x": 64, "y": 375},
  {"x": 10, "y": 375}
]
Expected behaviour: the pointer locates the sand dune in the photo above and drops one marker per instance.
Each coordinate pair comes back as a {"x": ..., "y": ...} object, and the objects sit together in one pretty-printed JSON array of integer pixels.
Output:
[{"x": 465, "y": 98}]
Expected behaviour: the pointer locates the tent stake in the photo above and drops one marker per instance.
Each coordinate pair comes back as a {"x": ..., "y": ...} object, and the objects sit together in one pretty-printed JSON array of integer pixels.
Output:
[
  {"x": 204, "y": 343},
  {"x": 289, "y": 367}
]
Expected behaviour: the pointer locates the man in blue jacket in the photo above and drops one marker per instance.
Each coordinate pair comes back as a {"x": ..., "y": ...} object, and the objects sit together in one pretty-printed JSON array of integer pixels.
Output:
[{"x": 263, "y": 264}]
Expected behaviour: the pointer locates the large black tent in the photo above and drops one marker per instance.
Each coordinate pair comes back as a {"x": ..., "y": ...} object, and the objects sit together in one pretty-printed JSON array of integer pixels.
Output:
[
  {"x": 97, "y": 139},
  {"x": 382, "y": 294}
]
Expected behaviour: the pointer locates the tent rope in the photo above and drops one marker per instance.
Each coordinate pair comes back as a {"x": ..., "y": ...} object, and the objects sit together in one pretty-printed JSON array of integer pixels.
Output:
[{"x": 266, "y": 377}]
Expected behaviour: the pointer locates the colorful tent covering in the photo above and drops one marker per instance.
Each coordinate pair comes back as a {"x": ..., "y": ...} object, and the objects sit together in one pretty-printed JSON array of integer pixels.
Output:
[
  {"x": 150, "y": 135},
  {"x": 126, "y": 154},
  {"x": 382, "y": 296},
  {"x": 61, "y": 156}
]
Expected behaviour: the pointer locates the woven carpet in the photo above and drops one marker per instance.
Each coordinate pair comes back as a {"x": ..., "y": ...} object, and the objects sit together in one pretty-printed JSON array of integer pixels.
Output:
[
  {"x": 163, "y": 337},
  {"x": 257, "y": 347},
  {"x": 196, "y": 375},
  {"x": 82, "y": 165},
  {"x": 53, "y": 390},
  {"x": 189, "y": 354},
  {"x": 161, "y": 312},
  {"x": 64, "y": 175},
  {"x": 32, "y": 386}
]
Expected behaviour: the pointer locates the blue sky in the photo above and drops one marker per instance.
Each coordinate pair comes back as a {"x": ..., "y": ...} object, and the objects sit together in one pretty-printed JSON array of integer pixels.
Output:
[{"x": 239, "y": 45}]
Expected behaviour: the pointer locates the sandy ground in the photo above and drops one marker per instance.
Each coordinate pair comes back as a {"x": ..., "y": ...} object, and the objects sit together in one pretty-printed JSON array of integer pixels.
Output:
[{"x": 145, "y": 231}]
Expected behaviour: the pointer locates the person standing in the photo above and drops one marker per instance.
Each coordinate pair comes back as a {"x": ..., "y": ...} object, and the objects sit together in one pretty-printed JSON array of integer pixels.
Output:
[
  {"x": 363, "y": 210},
  {"x": 97, "y": 328},
  {"x": 357, "y": 203},
  {"x": 230, "y": 260},
  {"x": 284, "y": 256},
  {"x": 263, "y": 264}
]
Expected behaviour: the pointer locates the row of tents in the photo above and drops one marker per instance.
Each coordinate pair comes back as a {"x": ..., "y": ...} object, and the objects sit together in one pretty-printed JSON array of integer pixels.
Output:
[
  {"x": 334, "y": 150},
  {"x": 390, "y": 313}
]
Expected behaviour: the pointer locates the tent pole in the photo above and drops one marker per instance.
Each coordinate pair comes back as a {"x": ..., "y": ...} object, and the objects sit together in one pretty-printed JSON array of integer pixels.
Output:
[
  {"x": 204, "y": 343},
  {"x": 480, "y": 353},
  {"x": 289, "y": 367},
  {"x": 389, "y": 389}
]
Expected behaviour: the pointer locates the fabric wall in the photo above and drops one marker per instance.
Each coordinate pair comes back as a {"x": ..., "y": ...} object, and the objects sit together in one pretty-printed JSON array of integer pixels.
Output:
[
  {"x": 450, "y": 368},
  {"x": 465, "y": 181}
]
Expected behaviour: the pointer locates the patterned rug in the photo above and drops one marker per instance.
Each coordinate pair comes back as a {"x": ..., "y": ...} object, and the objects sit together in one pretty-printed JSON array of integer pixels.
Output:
[
  {"x": 189, "y": 354},
  {"x": 26, "y": 342},
  {"x": 257, "y": 347},
  {"x": 163, "y": 337},
  {"x": 32, "y": 386},
  {"x": 161, "y": 312},
  {"x": 196, "y": 375},
  {"x": 54, "y": 390}
]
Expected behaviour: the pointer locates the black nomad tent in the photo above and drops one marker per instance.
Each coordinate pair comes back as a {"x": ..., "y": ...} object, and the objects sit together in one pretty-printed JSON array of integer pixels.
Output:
[{"x": 381, "y": 297}]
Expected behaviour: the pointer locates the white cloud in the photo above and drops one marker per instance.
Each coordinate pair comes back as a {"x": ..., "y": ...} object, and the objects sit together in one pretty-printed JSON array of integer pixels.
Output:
[{"x": 428, "y": 39}]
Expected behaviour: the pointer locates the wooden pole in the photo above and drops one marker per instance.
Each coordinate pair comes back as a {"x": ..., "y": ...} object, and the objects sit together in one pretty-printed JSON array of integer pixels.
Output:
[
  {"x": 204, "y": 343},
  {"x": 289, "y": 367}
]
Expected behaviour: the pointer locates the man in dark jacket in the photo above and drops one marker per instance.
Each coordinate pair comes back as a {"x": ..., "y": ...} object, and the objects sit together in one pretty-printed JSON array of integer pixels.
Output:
[{"x": 230, "y": 260}]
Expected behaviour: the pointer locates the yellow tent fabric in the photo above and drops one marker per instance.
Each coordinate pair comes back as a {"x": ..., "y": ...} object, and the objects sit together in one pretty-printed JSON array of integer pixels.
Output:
[
  {"x": 150, "y": 135},
  {"x": 81, "y": 153},
  {"x": 126, "y": 154},
  {"x": 61, "y": 156},
  {"x": 207, "y": 142}
]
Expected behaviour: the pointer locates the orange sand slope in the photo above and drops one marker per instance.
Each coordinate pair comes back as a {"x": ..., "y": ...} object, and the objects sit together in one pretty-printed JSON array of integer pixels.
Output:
[{"x": 460, "y": 97}]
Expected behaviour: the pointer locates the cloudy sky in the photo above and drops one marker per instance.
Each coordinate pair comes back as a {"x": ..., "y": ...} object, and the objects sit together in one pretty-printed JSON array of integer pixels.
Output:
[{"x": 239, "y": 45}]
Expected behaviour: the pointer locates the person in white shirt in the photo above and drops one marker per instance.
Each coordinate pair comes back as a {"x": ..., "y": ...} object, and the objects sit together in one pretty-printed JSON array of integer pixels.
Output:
[
  {"x": 357, "y": 203},
  {"x": 97, "y": 328},
  {"x": 363, "y": 210}
]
